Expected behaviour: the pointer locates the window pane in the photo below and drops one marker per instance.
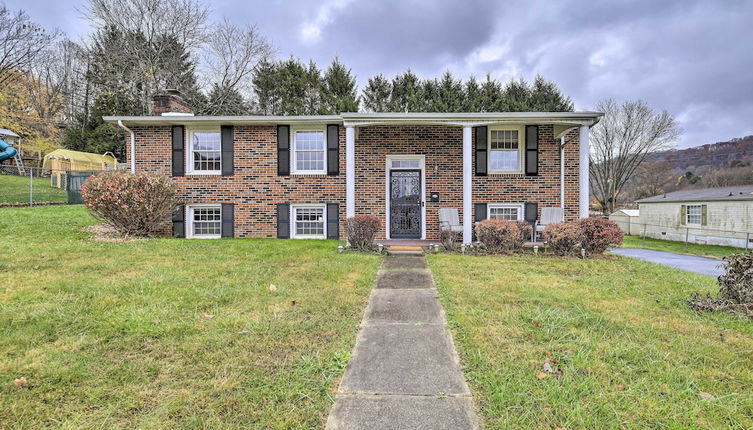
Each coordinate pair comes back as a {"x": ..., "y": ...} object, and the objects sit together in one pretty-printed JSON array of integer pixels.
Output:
[
  {"x": 503, "y": 159},
  {"x": 207, "y": 221},
  {"x": 309, "y": 221},
  {"x": 694, "y": 214},
  {"x": 504, "y": 139},
  {"x": 309, "y": 140},
  {"x": 206, "y": 160},
  {"x": 508, "y": 213},
  {"x": 206, "y": 141}
]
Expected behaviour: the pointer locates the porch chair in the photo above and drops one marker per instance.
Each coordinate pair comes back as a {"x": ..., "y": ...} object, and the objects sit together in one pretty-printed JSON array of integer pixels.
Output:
[
  {"x": 548, "y": 216},
  {"x": 450, "y": 220}
]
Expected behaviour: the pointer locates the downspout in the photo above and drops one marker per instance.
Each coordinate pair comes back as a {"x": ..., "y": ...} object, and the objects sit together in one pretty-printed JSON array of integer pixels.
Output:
[
  {"x": 562, "y": 172},
  {"x": 133, "y": 145}
]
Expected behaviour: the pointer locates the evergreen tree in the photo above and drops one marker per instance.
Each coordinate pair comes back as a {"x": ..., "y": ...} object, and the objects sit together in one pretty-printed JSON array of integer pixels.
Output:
[
  {"x": 339, "y": 89},
  {"x": 516, "y": 96},
  {"x": 429, "y": 97},
  {"x": 313, "y": 104},
  {"x": 292, "y": 81},
  {"x": 472, "y": 100},
  {"x": 491, "y": 96},
  {"x": 265, "y": 81},
  {"x": 225, "y": 101},
  {"x": 450, "y": 94},
  {"x": 406, "y": 93},
  {"x": 547, "y": 97},
  {"x": 376, "y": 94}
]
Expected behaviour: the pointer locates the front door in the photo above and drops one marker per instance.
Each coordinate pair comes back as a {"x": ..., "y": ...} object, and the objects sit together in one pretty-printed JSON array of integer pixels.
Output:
[{"x": 405, "y": 204}]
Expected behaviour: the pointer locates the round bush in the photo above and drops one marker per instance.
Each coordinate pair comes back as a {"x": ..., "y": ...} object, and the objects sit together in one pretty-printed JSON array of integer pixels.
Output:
[
  {"x": 361, "y": 230},
  {"x": 564, "y": 238},
  {"x": 499, "y": 236},
  {"x": 137, "y": 205},
  {"x": 600, "y": 234}
]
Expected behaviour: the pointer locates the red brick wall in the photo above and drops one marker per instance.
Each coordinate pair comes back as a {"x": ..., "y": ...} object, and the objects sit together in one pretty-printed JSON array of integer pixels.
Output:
[
  {"x": 256, "y": 188},
  {"x": 442, "y": 147}
]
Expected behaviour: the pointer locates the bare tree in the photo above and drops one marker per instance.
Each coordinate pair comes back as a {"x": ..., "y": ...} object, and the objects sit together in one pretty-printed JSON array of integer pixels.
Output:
[
  {"x": 20, "y": 42},
  {"x": 230, "y": 58},
  {"x": 621, "y": 141}
]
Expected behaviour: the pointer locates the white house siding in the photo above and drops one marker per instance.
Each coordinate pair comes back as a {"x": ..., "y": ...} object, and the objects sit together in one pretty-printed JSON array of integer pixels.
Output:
[
  {"x": 630, "y": 225},
  {"x": 727, "y": 222}
]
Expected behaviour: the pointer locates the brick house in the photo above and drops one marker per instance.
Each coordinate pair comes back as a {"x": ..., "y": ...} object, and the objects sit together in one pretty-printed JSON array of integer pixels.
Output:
[{"x": 303, "y": 176}]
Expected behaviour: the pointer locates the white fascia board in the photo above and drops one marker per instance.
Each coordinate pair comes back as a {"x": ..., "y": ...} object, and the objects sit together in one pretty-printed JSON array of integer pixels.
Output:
[{"x": 225, "y": 120}]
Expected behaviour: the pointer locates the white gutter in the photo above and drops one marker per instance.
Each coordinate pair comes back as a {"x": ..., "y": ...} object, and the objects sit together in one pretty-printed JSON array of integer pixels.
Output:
[{"x": 133, "y": 145}]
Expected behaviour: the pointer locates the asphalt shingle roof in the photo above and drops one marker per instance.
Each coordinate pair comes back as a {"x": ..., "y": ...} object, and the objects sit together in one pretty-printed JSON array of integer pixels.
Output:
[{"x": 739, "y": 192}]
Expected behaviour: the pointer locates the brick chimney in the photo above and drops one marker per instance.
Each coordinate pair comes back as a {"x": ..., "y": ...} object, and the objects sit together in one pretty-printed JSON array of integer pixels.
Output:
[{"x": 170, "y": 103}]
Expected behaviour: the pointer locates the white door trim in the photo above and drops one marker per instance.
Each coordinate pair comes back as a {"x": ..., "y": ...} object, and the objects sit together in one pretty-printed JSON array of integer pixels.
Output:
[{"x": 387, "y": 167}]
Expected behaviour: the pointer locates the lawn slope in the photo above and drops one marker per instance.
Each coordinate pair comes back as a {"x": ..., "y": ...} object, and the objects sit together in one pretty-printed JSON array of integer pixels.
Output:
[
  {"x": 633, "y": 355},
  {"x": 170, "y": 333}
]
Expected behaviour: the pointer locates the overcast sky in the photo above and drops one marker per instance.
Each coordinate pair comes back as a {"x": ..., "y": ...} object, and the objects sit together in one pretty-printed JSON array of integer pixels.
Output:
[{"x": 692, "y": 58}]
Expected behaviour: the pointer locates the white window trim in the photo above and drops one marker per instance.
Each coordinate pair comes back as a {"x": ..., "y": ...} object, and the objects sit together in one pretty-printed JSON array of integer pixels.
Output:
[
  {"x": 188, "y": 216},
  {"x": 293, "y": 159},
  {"x": 491, "y": 206},
  {"x": 388, "y": 166},
  {"x": 189, "y": 156},
  {"x": 293, "y": 208},
  {"x": 521, "y": 148},
  {"x": 700, "y": 214}
]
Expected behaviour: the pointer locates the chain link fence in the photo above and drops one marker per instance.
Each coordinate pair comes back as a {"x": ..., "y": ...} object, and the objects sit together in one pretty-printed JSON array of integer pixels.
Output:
[
  {"x": 36, "y": 186},
  {"x": 701, "y": 235}
]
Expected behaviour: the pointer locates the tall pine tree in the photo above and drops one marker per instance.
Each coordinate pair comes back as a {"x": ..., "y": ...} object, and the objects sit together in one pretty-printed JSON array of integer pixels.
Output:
[
  {"x": 376, "y": 94},
  {"x": 339, "y": 89}
]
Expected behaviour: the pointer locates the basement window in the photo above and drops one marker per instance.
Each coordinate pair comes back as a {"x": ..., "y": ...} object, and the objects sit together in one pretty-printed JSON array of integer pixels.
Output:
[
  {"x": 205, "y": 221},
  {"x": 510, "y": 212},
  {"x": 308, "y": 222}
]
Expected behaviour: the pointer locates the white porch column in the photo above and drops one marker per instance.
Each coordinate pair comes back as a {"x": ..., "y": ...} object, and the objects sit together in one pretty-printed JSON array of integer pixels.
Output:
[
  {"x": 350, "y": 171},
  {"x": 467, "y": 185},
  {"x": 584, "y": 151}
]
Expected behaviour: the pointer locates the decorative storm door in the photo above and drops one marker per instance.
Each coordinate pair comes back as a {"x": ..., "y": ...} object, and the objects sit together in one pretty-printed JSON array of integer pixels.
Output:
[{"x": 405, "y": 204}]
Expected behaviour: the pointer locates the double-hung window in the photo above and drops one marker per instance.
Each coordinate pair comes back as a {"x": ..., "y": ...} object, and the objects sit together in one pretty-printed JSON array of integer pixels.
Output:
[
  {"x": 309, "y": 221},
  {"x": 205, "y": 221},
  {"x": 510, "y": 212},
  {"x": 694, "y": 214},
  {"x": 505, "y": 150},
  {"x": 205, "y": 153},
  {"x": 309, "y": 152}
]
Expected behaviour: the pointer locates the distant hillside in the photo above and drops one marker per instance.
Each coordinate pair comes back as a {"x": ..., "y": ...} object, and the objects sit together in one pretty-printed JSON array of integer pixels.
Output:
[
  {"x": 715, "y": 155},
  {"x": 719, "y": 164}
]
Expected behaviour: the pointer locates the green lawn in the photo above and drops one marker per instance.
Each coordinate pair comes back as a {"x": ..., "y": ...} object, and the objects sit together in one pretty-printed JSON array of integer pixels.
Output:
[
  {"x": 170, "y": 333},
  {"x": 633, "y": 355},
  {"x": 679, "y": 247},
  {"x": 15, "y": 189}
]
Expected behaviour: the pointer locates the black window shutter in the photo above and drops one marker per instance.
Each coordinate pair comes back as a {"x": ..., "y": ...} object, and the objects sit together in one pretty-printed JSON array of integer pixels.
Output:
[
  {"x": 532, "y": 150},
  {"x": 480, "y": 212},
  {"x": 481, "y": 153},
  {"x": 179, "y": 221},
  {"x": 179, "y": 152},
  {"x": 333, "y": 149},
  {"x": 283, "y": 150},
  {"x": 531, "y": 212},
  {"x": 333, "y": 221},
  {"x": 283, "y": 221},
  {"x": 226, "y": 136},
  {"x": 228, "y": 220}
]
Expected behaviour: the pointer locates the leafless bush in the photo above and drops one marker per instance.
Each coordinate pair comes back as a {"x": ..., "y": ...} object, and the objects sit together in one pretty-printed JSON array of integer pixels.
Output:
[
  {"x": 564, "y": 238},
  {"x": 450, "y": 240},
  {"x": 735, "y": 288},
  {"x": 361, "y": 230},
  {"x": 499, "y": 236}
]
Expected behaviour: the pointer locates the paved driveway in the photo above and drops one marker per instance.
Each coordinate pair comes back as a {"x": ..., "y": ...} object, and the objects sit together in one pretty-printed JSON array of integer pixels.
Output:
[{"x": 691, "y": 263}]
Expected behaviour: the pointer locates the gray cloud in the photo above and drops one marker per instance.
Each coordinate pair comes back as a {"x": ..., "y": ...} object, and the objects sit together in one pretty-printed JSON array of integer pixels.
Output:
[{"x": 692, "y": 58}]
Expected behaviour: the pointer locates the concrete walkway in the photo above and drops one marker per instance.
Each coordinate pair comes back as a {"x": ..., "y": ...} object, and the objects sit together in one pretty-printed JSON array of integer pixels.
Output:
[
  {"x": 404, "y": 372},
  {"x": 691, "y": 263}
]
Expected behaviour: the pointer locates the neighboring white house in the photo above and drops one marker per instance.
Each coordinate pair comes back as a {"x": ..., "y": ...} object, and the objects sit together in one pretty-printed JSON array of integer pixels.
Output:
[
  {"x": 627, "y": 219},
  {"x": 715, "y": 216}
]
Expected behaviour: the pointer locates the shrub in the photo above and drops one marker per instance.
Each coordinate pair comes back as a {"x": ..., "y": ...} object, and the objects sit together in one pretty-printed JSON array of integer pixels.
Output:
[
  {"x": 450, "y": 239},
  {"x": 361, "y": 230},
  {"x": 137, "y": 205},
  {"x": 525, "y": 231},
  {"x": 564, "y": 238},
  {"x": 499, "y": 236},
  {"x": 735, "y": 288},
  {"x": 600, "y": 234}
]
